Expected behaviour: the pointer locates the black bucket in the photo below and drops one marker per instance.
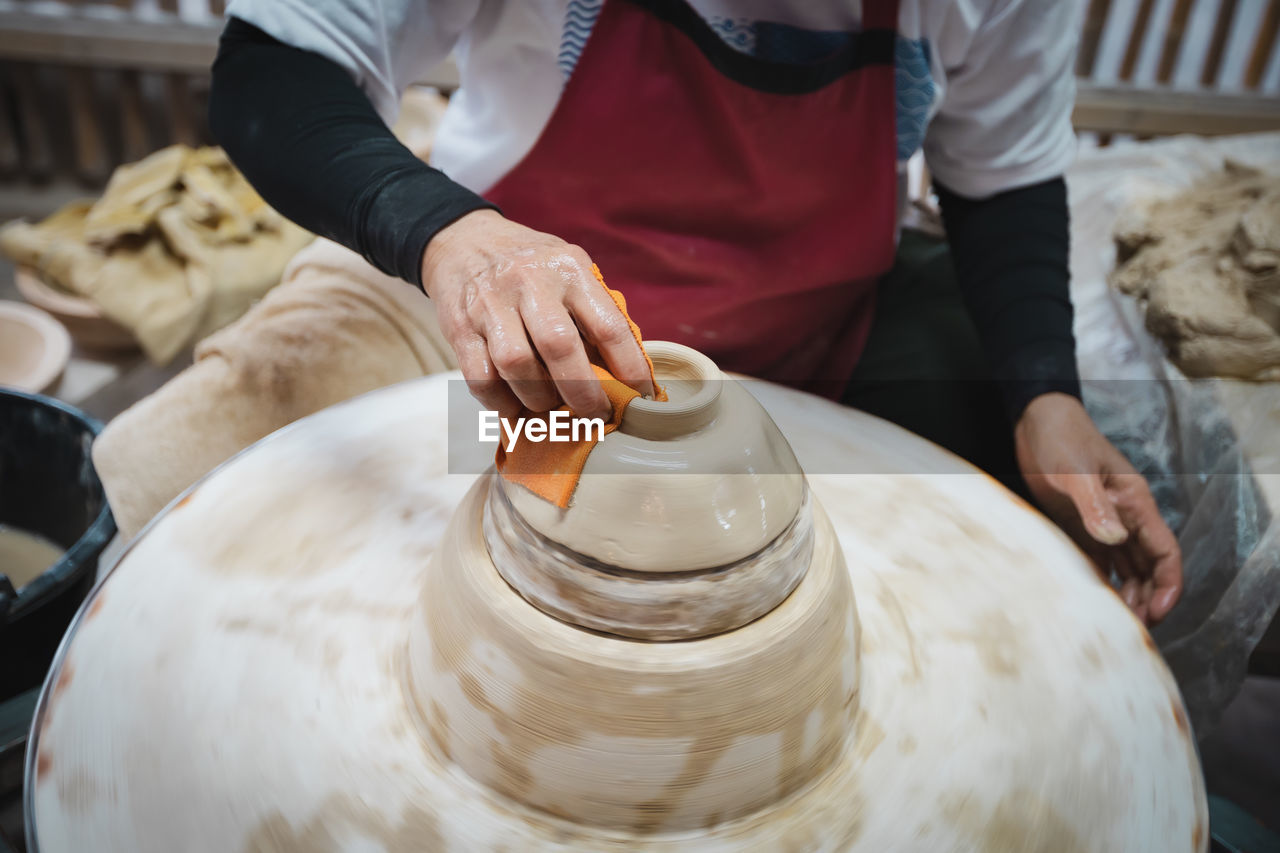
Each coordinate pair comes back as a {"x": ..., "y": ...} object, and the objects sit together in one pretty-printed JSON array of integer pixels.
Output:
[{"x": 48, "y": 487}]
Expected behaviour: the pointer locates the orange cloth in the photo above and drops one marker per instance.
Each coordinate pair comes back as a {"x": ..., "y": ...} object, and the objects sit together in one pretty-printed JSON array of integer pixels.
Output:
[{"x": 550, "y": 469}]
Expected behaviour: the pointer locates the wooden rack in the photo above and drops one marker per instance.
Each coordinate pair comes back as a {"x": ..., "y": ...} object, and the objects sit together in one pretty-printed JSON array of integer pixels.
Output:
[
  {"x": 1158, "y": 105},
  {"x": 87, "y": 86}
]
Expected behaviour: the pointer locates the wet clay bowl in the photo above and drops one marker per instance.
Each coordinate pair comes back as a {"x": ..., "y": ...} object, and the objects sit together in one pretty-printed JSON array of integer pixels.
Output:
[
  {"x": 312, "y": 650},
  {"x": 692, "y": 518},
  {"x": 34, "y": 348},
  {"x": 688, "y": 484}
]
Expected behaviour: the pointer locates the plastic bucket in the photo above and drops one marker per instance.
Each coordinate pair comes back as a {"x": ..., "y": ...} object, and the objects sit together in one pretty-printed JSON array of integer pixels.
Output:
[{"x": 48, "y": 486}]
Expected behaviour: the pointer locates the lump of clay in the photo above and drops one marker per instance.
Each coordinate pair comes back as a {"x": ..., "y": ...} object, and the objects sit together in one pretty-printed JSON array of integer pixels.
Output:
[{"x": 1206, "y": 265}]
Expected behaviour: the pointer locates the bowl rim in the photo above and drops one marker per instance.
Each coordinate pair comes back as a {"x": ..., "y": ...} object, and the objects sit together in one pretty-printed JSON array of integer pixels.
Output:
[{"x": 57, "y": 339}]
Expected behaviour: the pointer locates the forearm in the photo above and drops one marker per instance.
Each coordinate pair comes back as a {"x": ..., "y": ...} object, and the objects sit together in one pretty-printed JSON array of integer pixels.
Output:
[
  {"x": 1011, "y": 257},
  {"x": 310, "y": 142}
]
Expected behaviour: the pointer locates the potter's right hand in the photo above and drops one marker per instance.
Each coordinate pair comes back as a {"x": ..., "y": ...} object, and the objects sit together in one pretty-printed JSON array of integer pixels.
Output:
[{"x": 516, "y": 305}]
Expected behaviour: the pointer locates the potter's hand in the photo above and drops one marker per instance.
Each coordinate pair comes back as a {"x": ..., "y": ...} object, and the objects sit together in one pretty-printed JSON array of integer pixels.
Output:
[
  {"x": 1096, "y": 496},
  {"x": 516, "y": 304}
]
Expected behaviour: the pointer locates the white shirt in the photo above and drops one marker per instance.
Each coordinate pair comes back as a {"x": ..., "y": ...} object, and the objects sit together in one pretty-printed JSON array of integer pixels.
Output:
[{"x": 984, "y": 86}]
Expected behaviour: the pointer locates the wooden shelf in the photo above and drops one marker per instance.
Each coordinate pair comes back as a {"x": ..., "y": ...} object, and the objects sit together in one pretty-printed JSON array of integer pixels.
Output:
[
  {"x": 162, "y": 43},
  {"x": 1163, "y": 112},
  {"x": 101, "y": 41}
]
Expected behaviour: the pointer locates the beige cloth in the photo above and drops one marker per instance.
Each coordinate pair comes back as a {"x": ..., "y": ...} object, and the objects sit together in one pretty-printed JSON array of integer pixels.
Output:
[
  {"x": 334, "y": 328},
  {"x": 178, "y": 246}
]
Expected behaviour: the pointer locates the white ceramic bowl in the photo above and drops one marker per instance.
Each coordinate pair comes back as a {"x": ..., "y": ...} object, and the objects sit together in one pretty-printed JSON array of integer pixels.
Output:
[{"x": 34, "y": 348}]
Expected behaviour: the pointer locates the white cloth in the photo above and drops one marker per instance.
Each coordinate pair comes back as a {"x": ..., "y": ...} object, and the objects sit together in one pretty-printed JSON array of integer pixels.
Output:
[{"x": 985, "y": 85}]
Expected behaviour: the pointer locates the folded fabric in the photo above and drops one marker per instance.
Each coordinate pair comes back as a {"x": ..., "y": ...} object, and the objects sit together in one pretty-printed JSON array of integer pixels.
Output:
[
  {"x": 178, "y": 246},
  {"x": 551, "y": 469}
]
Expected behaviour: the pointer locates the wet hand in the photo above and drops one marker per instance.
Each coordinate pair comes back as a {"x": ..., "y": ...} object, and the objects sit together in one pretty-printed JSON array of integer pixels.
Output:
[
  {"x": 520, "y": 309},
  {"x": 1096, "y": 496}
]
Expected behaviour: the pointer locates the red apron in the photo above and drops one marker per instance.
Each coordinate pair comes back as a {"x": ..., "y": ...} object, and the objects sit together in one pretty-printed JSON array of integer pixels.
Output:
[{"x": 744, "y": 222}]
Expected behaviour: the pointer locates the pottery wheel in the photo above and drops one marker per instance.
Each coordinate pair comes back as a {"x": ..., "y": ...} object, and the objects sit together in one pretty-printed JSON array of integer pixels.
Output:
[{"x": 247, "y": 677}]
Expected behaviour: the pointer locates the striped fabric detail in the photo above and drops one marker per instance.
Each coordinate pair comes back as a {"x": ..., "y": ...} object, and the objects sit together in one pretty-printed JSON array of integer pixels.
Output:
[
  {"x": 914, "y": 89},
  {"x": 914, "y": 92},
  {"x": 739, "y": 33},
  {"x": 579, "y": 18}
]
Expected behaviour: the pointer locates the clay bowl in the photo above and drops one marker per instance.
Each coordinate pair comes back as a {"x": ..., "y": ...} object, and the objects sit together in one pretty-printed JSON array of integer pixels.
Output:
[
  {"x": 316, "y": 648},
  {"x": 686, "y": 488},
  {"x": 703, "y": 479},
  {"x": 34, "y": 348},
  {"x": 82, "y": 318}
]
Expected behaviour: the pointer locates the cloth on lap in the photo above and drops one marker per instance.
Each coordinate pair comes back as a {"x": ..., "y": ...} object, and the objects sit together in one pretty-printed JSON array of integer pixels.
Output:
[{"x": 334, "y": 328}]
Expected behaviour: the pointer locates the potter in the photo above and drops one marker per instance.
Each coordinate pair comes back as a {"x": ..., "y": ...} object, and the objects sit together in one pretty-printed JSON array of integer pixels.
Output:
[{"x": 557, "y": 426}]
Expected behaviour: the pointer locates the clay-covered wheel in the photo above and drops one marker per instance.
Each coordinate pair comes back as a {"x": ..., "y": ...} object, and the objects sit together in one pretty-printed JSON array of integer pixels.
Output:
[{"x": 239, "y": 682}]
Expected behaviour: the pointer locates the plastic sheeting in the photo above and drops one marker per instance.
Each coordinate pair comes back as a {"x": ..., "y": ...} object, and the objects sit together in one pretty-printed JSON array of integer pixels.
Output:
[{"x": 1209, "y": 448}]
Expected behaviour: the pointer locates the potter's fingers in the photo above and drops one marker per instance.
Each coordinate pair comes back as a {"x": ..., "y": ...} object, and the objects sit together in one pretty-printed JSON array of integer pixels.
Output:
[
  {"x": 1141, "y": 566},
  {"x": 1097, "y": 510},
  {"x": 517, "y": 362},
  {"x": 604, "y": 324},
  {"x": 1155, "y": 546},
  {"x": 1166, "y": 574},
  {"x": 482, "y": 377},
  {"x": 1129, "y": 593},
  {"x": 1164, "y": 597},
  {"x": 1123, "y": 568},
  {"x": 1138, "y": 558},
  {"x": 559, "y": 343},
  {"x": 1143, "y": 610}
]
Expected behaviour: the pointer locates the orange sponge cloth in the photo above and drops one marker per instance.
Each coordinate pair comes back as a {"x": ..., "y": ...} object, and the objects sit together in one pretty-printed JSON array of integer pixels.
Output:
[{"x": 550, "y": 469}]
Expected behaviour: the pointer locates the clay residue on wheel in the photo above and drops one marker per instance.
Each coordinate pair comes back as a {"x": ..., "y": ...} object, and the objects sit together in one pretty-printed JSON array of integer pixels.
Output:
[
  {"x": 1022, "y": 820},
  {"x": 1206, "y": 265},
  {"x": 343, "y": 818}
]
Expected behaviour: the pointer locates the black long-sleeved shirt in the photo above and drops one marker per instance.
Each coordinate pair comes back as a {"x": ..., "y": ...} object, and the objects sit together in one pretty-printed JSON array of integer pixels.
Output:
[{"x": 309, "y": 140}]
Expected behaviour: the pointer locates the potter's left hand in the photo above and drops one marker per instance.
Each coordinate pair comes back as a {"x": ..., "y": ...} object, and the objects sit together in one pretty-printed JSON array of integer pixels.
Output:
[{"x": 1096, "y": 496}]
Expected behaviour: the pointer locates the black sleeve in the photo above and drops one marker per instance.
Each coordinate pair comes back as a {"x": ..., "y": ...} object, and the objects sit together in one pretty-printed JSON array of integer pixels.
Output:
[
  {"x": 310, "y": 142},
  {"x": 1011, "y": 258}
]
